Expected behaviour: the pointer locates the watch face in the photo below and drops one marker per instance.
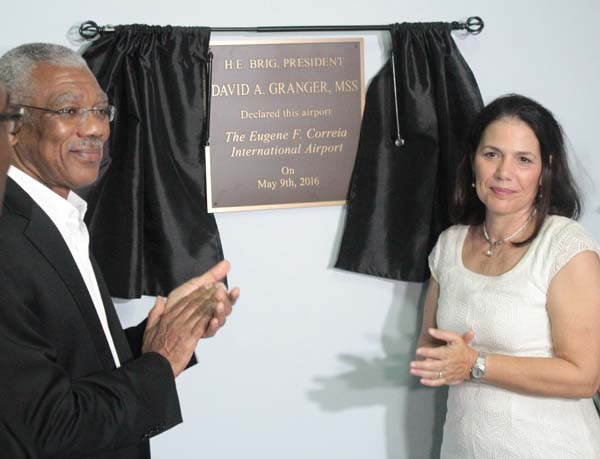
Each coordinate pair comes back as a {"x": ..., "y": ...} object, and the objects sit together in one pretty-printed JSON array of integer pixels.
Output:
[{"x": 477, "y": 373}]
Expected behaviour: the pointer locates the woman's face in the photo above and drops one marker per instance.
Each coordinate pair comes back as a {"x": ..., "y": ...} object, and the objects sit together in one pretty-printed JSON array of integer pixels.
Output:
[{"x": 508, "y": 167}]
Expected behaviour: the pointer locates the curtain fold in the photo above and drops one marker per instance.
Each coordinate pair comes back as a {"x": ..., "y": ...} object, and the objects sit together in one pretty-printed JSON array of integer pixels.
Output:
[
  {"x": 398, "y": 196},
  {"x": 149, "y": 227}
]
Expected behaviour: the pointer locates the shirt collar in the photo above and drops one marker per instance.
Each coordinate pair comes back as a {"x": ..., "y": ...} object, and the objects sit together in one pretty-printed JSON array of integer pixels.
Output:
[{"x": 57, "y": 208}]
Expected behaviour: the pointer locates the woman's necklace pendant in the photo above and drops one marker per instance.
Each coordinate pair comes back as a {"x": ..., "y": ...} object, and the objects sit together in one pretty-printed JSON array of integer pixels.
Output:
[{"x": 499, "y": 242}]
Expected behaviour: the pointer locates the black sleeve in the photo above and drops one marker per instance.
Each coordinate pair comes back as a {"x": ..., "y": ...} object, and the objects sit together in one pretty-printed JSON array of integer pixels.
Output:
[{"x": 66, "y": 417}]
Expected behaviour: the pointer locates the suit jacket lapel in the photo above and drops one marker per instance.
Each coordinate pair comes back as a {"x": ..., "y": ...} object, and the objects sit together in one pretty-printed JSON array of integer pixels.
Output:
[{"x": 45, "y": 236}]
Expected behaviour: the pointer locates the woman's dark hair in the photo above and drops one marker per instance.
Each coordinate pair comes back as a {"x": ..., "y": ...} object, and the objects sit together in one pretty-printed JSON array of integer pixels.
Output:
[{"x": 558, "y": 193}]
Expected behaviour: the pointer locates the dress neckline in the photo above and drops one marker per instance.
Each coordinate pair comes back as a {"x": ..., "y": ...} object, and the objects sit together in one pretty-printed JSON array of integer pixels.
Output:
[{"x": 515, "y": 267}]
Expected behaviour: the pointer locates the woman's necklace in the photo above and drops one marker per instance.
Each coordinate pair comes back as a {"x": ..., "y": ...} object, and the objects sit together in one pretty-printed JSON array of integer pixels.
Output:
[{"x": 489, "y": 252}]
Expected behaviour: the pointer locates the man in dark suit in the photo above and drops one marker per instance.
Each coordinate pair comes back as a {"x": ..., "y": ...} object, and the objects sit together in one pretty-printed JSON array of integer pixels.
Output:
[{"x": 73, "y": 383}]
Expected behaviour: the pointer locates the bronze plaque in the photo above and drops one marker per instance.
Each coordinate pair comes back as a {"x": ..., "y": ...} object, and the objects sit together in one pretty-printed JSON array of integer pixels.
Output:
[{"x": 284, "y": 122}]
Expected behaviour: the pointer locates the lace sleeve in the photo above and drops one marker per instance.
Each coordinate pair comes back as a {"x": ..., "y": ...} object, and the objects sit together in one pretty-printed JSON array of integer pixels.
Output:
[
  {"x": 572, "y": 240},
  {"x": 434, "y": 258}
]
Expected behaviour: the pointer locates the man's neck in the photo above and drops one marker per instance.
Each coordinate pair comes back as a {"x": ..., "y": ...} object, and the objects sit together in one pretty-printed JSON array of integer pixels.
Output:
[{"x": 62, "y": 191}]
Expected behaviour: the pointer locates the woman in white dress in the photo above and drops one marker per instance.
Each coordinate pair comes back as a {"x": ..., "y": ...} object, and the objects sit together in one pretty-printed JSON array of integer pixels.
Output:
[{"x": 512, "y": 314}]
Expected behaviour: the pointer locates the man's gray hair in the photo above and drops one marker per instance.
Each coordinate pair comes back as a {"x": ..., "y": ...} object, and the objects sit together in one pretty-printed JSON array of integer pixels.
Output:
[{"x": 18, "y": 64}]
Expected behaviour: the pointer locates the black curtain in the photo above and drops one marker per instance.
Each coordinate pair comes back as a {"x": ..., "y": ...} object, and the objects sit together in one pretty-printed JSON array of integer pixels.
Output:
[
  {"x": 149, "y": 228},
  {"x": 399, "y": 195}
]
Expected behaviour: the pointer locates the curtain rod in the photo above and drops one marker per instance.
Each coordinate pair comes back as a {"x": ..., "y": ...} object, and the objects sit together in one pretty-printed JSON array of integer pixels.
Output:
[{"x": 90, "y": 30}]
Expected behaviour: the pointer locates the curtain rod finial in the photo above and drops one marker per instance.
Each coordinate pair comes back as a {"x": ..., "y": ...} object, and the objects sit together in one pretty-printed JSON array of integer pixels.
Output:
[
  {"x": 474, "y": 25},
  {"x": 89, "y": 30}
]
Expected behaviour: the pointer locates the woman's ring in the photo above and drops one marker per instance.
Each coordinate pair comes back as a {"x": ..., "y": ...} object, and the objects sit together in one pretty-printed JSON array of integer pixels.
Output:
[{"x": 440, "y": 375}]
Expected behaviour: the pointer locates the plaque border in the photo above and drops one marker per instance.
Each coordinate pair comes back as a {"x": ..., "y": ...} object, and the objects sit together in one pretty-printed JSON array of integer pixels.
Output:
[{"x": 275, "y": 41}]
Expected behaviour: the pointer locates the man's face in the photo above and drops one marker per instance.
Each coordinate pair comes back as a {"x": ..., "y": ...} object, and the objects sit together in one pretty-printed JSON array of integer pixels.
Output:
[
  {"x": 59, "y": 152},
  {"x": 5, "y": 149}
]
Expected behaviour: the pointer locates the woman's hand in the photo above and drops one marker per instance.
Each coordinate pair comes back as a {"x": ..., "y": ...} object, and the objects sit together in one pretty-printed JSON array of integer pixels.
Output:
[{"x": 448, "y": 364}]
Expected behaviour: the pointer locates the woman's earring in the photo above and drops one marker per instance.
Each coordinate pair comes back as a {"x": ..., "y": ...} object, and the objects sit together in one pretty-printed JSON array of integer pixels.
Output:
[{"x": 472, "y": 184}]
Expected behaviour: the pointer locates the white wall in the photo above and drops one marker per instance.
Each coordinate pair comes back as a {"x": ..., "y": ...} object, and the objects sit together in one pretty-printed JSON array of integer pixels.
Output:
[{"x": 312, "y": 363}]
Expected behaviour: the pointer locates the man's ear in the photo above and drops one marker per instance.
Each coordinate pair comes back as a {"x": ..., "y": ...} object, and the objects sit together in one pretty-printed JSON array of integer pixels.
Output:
[{"x": 13, "y": 138}]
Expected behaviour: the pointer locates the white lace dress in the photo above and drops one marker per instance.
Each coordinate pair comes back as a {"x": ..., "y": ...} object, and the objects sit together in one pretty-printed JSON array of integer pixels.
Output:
[{"x": 508, "y": 314}]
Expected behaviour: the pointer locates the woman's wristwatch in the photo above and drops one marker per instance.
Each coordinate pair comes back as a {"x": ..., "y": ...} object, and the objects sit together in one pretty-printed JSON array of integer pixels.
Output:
[{"x": 478, "y": 370}]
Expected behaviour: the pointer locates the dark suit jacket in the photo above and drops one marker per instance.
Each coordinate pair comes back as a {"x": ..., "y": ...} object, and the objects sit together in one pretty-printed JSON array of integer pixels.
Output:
[{"x": 60, "y": 393}]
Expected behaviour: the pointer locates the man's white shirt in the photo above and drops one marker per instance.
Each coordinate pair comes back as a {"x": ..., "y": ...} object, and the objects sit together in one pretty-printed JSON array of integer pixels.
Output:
[{"x": 67, "y": 215}]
